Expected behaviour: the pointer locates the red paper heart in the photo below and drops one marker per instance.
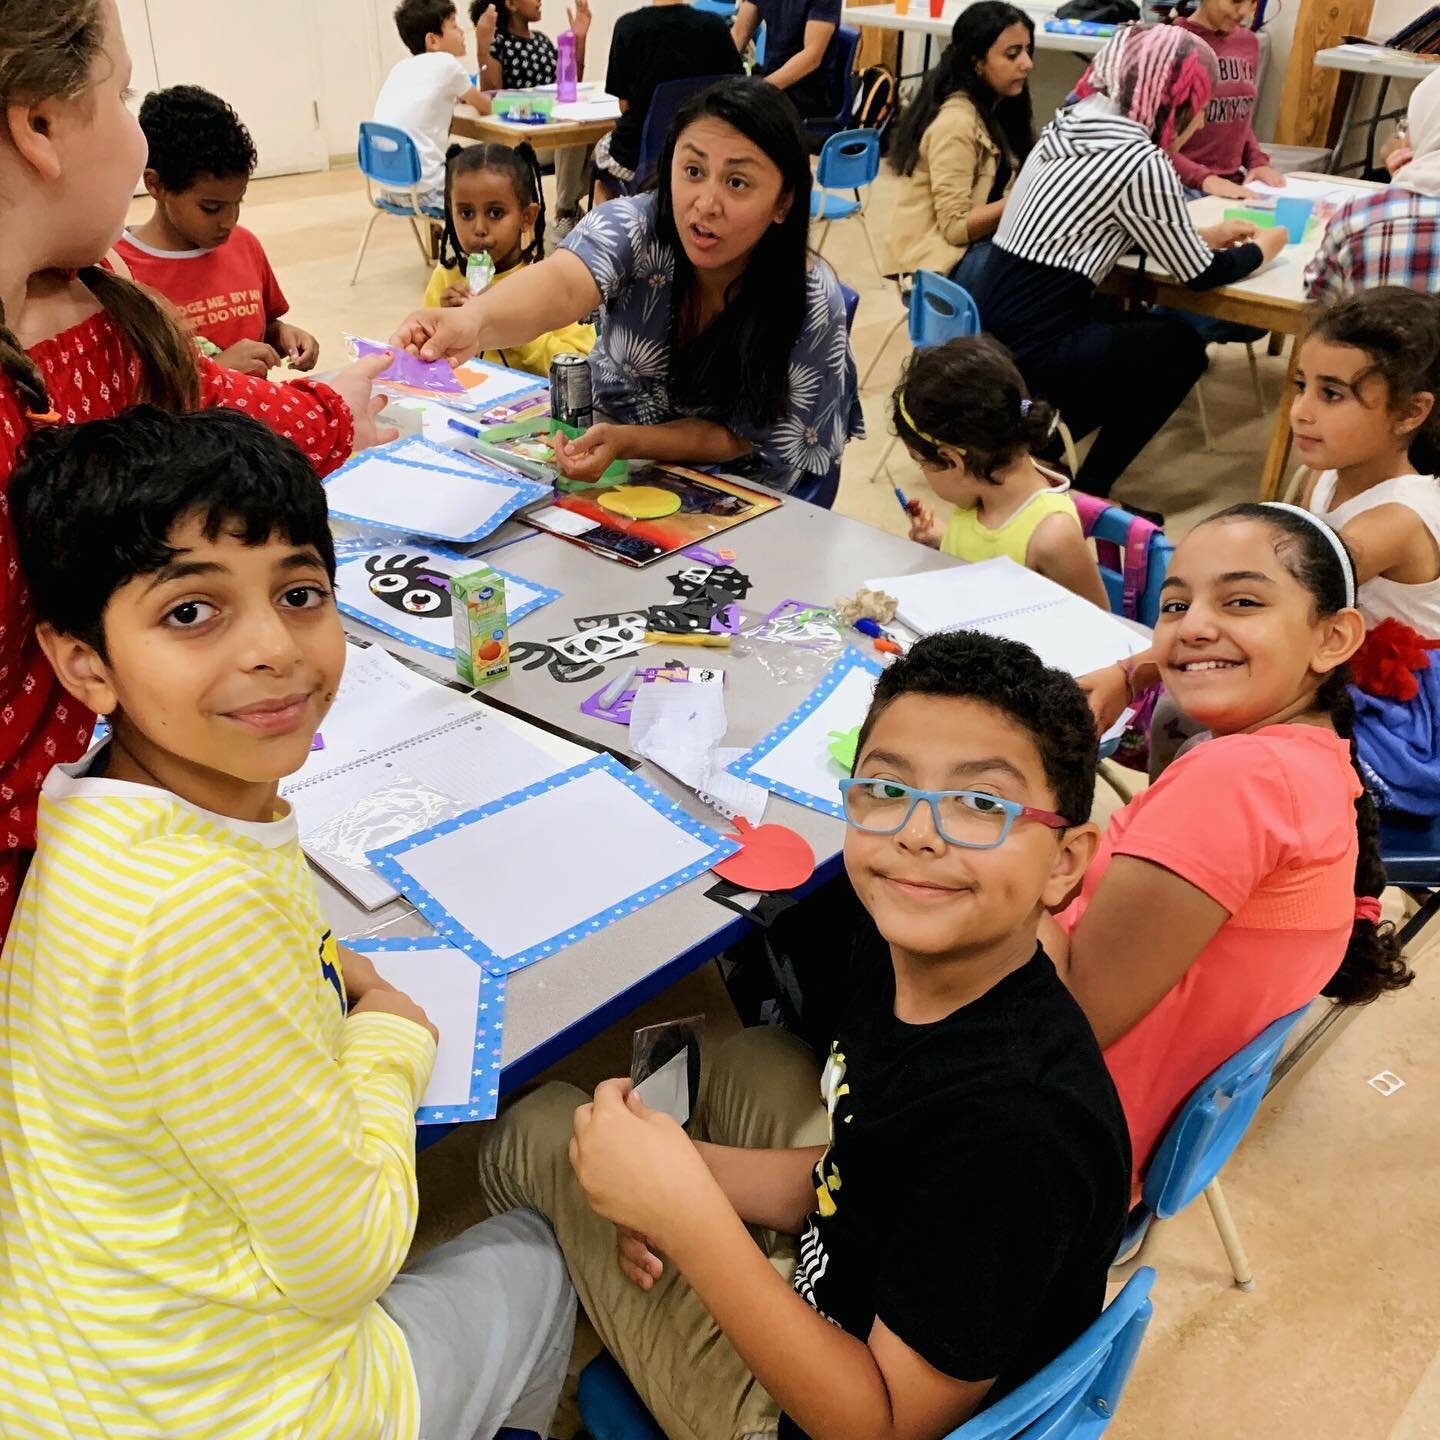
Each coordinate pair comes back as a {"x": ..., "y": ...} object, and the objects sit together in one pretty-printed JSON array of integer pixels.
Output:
[{"x": 773, "y": 857}]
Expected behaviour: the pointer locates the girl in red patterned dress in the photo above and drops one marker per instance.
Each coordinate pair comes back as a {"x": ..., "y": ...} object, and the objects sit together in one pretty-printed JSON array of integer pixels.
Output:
[{"x": 78, "y": 343}]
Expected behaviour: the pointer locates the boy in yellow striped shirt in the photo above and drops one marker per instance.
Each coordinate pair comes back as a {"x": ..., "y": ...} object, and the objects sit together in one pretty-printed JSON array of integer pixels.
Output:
[{"x": 206, "y": 1108}]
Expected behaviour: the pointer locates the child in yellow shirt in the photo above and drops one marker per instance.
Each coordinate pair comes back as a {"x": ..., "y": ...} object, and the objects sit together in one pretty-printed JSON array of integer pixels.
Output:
[
  {"x": 207, "y": 1107},
  {"x": 494, "y": 206},
  {"x": 962, "y": 411}
]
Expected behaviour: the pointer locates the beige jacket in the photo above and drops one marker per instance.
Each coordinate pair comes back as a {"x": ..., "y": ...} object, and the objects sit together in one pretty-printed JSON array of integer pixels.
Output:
[{"x": 929, "y": 228}]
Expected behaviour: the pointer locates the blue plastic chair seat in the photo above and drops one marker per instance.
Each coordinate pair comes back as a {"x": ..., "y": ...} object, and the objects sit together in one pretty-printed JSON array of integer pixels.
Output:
[
  {"x": 403, "y": 207},
  {"x": 1074, "y": 1396},
  {"x": 825, "y": 206},
  {"x": 1411, "y": 851}
]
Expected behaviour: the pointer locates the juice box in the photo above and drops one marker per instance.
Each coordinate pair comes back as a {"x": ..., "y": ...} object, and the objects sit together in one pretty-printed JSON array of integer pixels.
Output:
[{"x": 482, "y": 628}]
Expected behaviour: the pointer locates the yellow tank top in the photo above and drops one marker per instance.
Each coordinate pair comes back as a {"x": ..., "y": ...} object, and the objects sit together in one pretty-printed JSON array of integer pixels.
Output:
[{"x": 967, "y": 539}]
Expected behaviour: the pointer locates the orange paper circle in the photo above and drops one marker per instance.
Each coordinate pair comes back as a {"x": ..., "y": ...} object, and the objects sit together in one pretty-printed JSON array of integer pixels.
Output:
[{"x": 640, "y": 502}]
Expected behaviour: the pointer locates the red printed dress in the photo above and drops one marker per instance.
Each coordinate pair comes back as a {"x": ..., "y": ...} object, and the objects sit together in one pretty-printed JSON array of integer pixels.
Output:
[{"x": 92, "y": 372}]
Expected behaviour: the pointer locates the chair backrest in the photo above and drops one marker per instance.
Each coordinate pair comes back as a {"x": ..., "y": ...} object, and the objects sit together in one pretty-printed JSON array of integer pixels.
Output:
[
  {"x": 841, "y": 65},
  {"x": 387, "y": 156},
  {"x": 1410, "y": 850},
  {"x": 852, "y": 301},
  {"x": 665, "y": 104},
  {"x": 940, "y": 310},
  {"x": 1077, "y": 1393},
  {"x": 1213, "y": 1121},
  {"x": 849, "y": 160},
  {"x": 1133, "y": 554}
]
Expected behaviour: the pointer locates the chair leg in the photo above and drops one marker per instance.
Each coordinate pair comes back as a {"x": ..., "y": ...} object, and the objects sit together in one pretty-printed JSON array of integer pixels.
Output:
[
  {"x": 1255, "y": 379},
  {"x": 824, "y": 236},
  {"x": 419, "y": 239},
  {"x": 1276, "y": 343},
  {"x": 1204, "y": 416},
  {"x": 1229, "y": 1236},
  {"x": 884, "y": 345},
  {"x": 881, "y": 468},
  {"x": 364, "y": 241},
  {"x": 870, "y": 245}
]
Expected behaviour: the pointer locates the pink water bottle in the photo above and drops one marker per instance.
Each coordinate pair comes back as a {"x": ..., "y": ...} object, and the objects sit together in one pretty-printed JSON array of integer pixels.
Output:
[{"x": 567, "y": 88}]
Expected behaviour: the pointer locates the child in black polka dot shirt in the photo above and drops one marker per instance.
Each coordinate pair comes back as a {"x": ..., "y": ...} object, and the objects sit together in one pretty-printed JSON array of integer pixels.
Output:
[{"x": 518, "y": 58}]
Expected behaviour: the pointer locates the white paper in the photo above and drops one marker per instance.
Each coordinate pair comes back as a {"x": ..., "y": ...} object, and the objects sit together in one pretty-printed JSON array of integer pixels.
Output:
[
  {"x": 1295, "y": 188},
  {"x": 1000, "y": 597},
  {"x": 668, "y": 1088},
  {"x": 471, "y": 760},
  {"x": 354, "y": 583},
  {"x": 802, "y": 759},
  {"x": 442, "y": 503},
  {"x": 561, "y": 521},
  {"x": 380, "y": 702},
  {"x": 418, "y": 453},
  {"x": 552, "y": 862},
  {"x": 446, "y": 985},
  {"x": 607, "y": 107},
  {"x": 679, "y": 727}
]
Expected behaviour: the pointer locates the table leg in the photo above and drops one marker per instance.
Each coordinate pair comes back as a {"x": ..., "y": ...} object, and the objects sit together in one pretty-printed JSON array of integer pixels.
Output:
[{"x": 1272, "y": 477}]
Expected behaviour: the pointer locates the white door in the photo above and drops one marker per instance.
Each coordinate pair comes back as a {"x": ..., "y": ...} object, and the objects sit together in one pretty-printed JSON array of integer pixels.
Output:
[{"x": 262, "y": 56}]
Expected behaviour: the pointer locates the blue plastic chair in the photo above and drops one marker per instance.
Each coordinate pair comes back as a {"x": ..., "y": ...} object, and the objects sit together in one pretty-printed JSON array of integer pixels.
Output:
[
  {"x": 1199, "y": 1141},
  {"x": 1073, "y": 1398},
  {"x": 1132, "y": 581},
  {"x": 388, "y": 158},
  {"x": 849, "y": 161},
  {"x": 938, "y": 310},
  {"x": 1411, "y": 852},
  {"x": 725, "y": 9},
  {"x": 665, "y": 103},
  {"x": 842, "y": 67}
]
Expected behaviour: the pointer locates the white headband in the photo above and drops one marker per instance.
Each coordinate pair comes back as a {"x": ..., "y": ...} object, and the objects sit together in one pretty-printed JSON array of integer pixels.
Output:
[{"x": 1335, "y": 542}]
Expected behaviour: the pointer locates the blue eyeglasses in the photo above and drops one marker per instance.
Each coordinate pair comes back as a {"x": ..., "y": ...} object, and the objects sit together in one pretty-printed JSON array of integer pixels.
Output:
[{"x": 968, "y": 818}]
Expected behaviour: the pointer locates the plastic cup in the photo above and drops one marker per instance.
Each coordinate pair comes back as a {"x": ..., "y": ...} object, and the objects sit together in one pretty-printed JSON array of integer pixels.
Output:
[
  {"x": 936, "y": 6},
  {"x": 902, "y": 7},
  {"x": 1293, "y": 215}
]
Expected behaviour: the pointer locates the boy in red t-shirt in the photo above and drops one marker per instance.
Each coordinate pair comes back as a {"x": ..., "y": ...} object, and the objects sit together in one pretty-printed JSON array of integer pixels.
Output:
[{"x": 192, "y": 251}]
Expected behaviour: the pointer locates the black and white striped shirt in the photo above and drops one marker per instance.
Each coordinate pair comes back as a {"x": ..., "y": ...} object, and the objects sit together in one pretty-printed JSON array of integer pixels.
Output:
[{"x": 1095, "y": 186}]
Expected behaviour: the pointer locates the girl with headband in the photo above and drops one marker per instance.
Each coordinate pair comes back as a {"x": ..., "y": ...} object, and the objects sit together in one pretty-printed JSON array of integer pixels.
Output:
[
  {"x": 1246, "y": 879},
  {"x": 962, "y": 411},
  {"x": 1098, "y": 183}
]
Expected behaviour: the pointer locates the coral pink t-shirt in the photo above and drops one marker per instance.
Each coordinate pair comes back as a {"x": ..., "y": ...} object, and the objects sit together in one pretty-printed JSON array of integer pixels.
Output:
[{"x": 1264, "y": 824}]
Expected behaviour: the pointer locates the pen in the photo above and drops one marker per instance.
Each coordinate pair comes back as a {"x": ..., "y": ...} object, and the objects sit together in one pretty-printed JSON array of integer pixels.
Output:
[
  {"x": 900, "y": 496},
  {"x": 873, "y": 629},
  {"x": 712, "y": 642},
  {"x": 465, "y": 429}
]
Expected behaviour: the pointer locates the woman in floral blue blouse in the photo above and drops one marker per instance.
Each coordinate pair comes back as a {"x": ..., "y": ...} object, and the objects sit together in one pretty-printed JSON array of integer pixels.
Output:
[{"x": 725, "y": 341}]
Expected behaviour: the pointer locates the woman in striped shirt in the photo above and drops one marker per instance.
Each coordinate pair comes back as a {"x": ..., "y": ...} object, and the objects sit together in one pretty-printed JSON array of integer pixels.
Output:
[{"x": 1099, "y": 183}]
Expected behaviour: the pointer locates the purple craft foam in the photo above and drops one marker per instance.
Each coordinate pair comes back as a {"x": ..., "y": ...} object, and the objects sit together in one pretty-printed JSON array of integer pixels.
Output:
[{"x": 408, "y": 369}]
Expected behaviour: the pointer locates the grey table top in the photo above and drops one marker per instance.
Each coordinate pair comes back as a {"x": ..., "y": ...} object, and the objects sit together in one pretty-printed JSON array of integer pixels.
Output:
[{"x": 796, "y": 552}]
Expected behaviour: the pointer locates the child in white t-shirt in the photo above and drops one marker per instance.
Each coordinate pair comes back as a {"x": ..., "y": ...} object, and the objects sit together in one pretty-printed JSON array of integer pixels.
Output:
[{"x": 420, "y": 94}]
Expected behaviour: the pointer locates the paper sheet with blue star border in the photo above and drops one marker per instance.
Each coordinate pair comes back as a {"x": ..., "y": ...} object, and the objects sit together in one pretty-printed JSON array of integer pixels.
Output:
[
  {"x": 409, "y": 498},
  {"x": 402, "y": 588},
  {"x": 794, "y": 759},
  {"x": 540, "y": 869},
  {"x": 466, "y": 1004}
]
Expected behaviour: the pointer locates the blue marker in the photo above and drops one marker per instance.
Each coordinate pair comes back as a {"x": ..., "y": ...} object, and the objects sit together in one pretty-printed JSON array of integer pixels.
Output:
[
  {"x": 465, "y": 429},
  {"x": 900, "y": 496},
  {"x": 871, "y": 628}
]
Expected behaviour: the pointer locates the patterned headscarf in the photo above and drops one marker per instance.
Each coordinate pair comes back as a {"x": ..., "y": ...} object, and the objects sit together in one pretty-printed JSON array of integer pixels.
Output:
[{"x": 1152, "y": 72}]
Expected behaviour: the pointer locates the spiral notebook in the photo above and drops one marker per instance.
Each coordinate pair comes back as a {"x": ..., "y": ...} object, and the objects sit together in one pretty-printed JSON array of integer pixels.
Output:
[{"x": 1002, "y": 598}]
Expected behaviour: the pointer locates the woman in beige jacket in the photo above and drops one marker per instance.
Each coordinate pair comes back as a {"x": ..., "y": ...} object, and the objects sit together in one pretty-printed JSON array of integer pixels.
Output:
[{"x": 958, "y": 148}]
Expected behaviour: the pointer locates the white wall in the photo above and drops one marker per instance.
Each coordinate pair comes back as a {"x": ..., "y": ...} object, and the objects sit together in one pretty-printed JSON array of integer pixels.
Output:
[{"x": 1388, "y": 17}]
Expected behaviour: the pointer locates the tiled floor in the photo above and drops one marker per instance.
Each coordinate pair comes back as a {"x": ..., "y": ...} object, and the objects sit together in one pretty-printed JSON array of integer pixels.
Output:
[{"x": 1335, "y": 1190}]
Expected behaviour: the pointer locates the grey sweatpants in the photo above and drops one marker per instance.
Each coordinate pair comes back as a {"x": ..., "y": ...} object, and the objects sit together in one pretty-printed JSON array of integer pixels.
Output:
[{"x": 489, "y": 1318}]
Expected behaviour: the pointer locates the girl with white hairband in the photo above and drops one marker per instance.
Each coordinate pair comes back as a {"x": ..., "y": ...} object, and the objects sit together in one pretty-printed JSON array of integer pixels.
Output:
[
  {"x": 962, "y": 411},
  {"x": 1246, "y": 879}
]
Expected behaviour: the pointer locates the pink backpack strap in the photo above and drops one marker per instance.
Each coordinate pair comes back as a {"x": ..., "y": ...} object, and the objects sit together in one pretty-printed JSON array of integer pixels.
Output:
[{"x": 1133, "y": 559}]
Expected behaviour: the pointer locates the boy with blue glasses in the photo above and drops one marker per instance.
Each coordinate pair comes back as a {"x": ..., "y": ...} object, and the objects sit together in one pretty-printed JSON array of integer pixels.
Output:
[{"x": 943, "y": 1227}]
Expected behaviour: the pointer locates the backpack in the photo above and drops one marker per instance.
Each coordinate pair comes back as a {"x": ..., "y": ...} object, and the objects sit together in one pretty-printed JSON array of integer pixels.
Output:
[{"x": 875, "y": 96}]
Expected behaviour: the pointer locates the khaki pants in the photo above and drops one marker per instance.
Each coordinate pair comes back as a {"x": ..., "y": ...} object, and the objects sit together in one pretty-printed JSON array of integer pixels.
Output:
[{"x": 762, "y": 1092}]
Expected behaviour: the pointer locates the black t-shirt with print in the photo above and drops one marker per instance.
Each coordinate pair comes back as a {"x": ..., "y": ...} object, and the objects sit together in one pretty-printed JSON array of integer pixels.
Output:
[
  {"x": 977, "y": 1181},
  {"x": 655, "y": 45},
  {"x": 524, "y": 62}
]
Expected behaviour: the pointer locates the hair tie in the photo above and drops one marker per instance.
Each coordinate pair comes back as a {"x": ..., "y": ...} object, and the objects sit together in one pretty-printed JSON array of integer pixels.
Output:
[
  {"x": 1024, "y": 408},
  {"x": 1367, "y": 908},
  {"x": 1334, "y": 541},
  {"x": 928, "y": 439}
]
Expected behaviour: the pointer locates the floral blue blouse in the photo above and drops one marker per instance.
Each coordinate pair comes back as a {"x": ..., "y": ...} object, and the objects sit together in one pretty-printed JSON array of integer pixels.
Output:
[{"x": 630, "y": 366}]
